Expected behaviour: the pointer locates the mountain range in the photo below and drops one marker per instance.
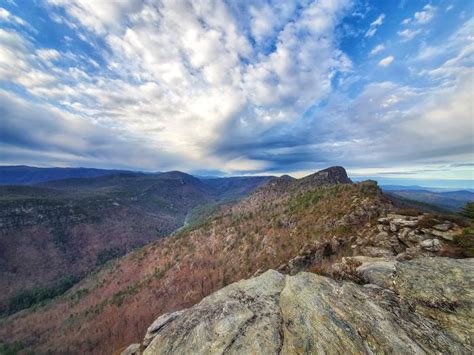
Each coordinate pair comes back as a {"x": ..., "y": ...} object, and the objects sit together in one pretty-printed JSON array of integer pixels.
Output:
[
  {"x": 449, "y": 201},
  {"x": 130, "y": 263}
]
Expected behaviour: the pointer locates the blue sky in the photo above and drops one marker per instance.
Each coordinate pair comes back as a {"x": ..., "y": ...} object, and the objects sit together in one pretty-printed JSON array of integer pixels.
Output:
[{"x": 384, "y": 88}]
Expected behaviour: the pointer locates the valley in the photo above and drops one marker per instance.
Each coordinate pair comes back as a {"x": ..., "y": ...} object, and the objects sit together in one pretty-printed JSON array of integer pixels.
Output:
[{"x": 54, "y": 233}]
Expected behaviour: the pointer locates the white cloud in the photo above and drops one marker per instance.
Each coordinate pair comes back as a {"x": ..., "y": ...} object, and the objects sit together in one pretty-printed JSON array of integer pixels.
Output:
[
  {"x": 186, "y": 73},
  {"x": 99, "y": 16},
  {"x": 408, "y": 34},
  {"x": 186, "y": 87},
  {"x": 377, "y": 49},
  {"x": 48, "y": 54},
  {"x": 374, "y": 26},
  {"x": 426, "y": 15},
  {"x": 386, "y": 61},
  {"x": 6, "y": 16},
  {"x": 419, "y": 18}
]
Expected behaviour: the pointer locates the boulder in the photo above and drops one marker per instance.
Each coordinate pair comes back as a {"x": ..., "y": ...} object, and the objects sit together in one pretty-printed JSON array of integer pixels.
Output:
[
  {"x": 419, "y": 306},
  {"x": 431, "y": 245},
  {"x": 132, "y": 349},
  {"x": 375, "y": 252},
  {"x": 394, "y": 227},
  {"x": 445, "y": 235},
  {"x": 443, "y": 227},
  {"x": 159, "y": 323}
]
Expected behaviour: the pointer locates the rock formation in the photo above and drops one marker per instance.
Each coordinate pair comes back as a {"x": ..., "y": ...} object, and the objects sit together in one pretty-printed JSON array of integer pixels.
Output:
[{"x": 419, "y": 306}]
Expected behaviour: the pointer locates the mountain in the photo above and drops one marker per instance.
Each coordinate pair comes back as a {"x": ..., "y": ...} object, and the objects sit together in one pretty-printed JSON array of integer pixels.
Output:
[
  {"x": 315, "y": 224},
  {"x": 28, "y": 175},
  {"x": 54, "y": 233},
  {"x": 418, "y": 187},
  {"x": 447, "y": 200}
]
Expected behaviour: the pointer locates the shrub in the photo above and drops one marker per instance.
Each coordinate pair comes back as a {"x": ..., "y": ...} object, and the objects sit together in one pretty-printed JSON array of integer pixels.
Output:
[{"x": 468, "y": 210}]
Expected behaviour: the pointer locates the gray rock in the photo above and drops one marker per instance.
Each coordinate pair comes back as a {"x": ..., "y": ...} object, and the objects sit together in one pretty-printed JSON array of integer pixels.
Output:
[
  {"x": 132, "y": 349},
  {"x": 443, "y": 227},
  {"x": 399, "y": 222},
  {"x": 375, "y": 251},
  {"x": 157, "y": 325},
  {"x": 376, "y": 270},
  {"x": 241, "y": 318},
  {"x": 394, "y": 227},
  {"x": 431, "y": 245},
  {"x": 445, "y": 235},
  {"x": 419, "y": 306},
  {"x": 382, "y": 228}
]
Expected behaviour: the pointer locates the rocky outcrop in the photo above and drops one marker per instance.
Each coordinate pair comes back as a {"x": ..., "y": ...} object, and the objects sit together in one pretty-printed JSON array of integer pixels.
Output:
[
  {"x": 406, "y": 237},
  {"x": 329, "y": 176},
  {"x": 419, "y": 306}
]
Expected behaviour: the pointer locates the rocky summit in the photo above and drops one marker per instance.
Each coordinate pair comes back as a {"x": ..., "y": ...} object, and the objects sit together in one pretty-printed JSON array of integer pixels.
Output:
[{"x": 419, "y": 306}]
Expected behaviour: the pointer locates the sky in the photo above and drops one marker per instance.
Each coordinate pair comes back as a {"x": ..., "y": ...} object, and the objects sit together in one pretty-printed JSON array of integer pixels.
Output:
[{"x": 383, "y": 88}]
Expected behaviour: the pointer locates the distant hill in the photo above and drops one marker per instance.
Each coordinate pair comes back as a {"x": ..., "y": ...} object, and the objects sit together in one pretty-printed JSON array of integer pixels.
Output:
[
  {"x": 424, "y": 188},
  {"x": 28, "y": 175},
  {"x": 447, "y": 200}
]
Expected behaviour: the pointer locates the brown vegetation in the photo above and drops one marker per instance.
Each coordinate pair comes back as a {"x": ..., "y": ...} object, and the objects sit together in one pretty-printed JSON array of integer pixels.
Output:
[{"x": 113, "y": 307}]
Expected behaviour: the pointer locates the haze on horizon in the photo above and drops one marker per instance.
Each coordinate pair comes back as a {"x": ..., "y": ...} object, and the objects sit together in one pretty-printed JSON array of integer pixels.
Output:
[{"x": 218, "y": 87}]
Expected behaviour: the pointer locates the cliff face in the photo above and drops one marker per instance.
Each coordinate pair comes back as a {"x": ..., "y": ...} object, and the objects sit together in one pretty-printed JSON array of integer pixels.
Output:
[{"x": 420, "y": 306}]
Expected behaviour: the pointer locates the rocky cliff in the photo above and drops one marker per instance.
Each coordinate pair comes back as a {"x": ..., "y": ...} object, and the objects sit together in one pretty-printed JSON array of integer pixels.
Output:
[{"x": 420, "y": 306}]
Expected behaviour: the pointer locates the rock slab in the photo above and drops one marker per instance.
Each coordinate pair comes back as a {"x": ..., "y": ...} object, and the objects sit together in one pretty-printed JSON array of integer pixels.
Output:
[{"x": 419, "y": 306}]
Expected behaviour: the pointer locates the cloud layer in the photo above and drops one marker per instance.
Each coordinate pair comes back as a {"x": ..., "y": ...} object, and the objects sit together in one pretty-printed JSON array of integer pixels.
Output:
[{"x": 235, "y": 87}]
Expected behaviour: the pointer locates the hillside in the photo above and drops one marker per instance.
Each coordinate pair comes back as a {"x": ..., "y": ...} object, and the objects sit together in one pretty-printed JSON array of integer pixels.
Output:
[
  {"x": 290, "y": 225},
  {"x": 55, "y": 233}
]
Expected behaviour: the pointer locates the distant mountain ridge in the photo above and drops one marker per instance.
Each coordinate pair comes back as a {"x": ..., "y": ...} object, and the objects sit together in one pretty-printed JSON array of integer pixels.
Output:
[
  {"x": 448, "y": 200},
  {"x": 28, "y": 175}
]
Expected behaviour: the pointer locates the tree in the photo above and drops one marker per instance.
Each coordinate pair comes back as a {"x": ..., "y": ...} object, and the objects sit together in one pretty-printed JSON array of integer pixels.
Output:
[{"x": 468, "y": 210}]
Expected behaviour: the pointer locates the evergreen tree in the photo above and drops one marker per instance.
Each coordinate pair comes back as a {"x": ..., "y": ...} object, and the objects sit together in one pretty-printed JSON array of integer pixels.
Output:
[{"x": 468, "y": 210}]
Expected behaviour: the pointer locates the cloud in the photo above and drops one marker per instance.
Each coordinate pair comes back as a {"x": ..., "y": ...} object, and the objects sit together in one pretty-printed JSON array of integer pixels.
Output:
[
  {"x": 374, "y": 26},
  {"x": 99, "y": 16},
  {"x": 175, "y": 75},
  {"x": 421, "y": 17},
  {"x": 426, "y": 15},
  {"x": 377, "y": 49},
  {"x": 408, "y": 34},
  {"x": 43, "y": 133},
  {"x": 6, "y": 16},
  {"x": 236, "y": 88},
  {"x": 386, "y": 61}
]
